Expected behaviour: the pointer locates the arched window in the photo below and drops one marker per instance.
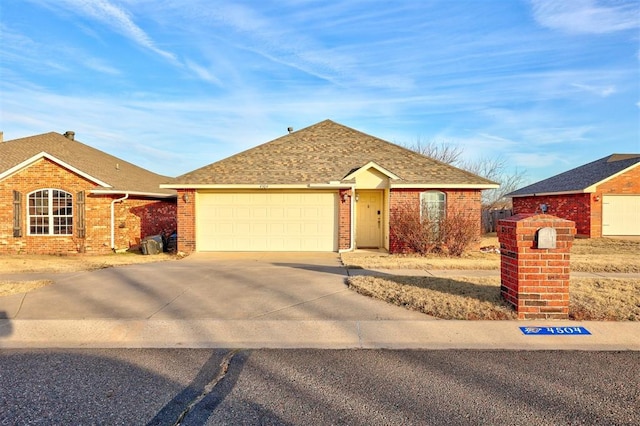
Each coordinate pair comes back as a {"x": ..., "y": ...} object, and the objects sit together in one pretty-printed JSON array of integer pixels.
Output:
[
  {"x": 433, "y": 206},
  {"x": 50, "y": 212}
]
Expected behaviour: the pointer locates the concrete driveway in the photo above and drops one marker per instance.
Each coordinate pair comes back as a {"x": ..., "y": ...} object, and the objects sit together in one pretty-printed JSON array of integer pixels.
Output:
[{"x": 220, "y": 286}]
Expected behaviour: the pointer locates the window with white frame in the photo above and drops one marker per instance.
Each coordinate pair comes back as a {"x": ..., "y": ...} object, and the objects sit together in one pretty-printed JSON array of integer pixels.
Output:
[
  {"x": 433, "y": 206},
  {"x": 50, "y": 212}
]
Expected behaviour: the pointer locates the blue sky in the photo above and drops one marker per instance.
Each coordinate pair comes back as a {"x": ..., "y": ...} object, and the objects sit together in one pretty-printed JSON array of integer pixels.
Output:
[{"x": 175, "y": 85}]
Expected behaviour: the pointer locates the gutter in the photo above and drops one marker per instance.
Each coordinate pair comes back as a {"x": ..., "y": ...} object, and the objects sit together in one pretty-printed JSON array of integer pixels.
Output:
[{"x": 113, "y": 243}]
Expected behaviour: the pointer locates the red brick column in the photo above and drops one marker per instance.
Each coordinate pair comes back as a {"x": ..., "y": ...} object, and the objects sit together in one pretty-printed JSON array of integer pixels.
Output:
[
  {"x": 344, "y": 219},
  {"x": 186, "y": 212},
  {"x": 535, "y": 280}
]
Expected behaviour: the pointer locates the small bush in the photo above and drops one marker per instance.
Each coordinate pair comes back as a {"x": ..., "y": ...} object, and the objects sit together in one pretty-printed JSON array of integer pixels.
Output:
[
  {"x": 459, "y": 231},
  {"x": 409, "y": 233}
]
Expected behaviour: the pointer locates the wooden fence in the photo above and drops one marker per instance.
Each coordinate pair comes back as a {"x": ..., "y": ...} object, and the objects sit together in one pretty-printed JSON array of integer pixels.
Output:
[{"x": 490, "y": 218}]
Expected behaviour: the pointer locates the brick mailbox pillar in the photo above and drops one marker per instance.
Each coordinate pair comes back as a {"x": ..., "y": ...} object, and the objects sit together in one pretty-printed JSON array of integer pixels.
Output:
[{"x": 534, "y": 264}]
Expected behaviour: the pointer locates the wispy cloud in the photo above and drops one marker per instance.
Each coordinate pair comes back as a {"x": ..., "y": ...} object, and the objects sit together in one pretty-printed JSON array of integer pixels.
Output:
[
  {"x": 587, "y": 16},
  {"x": 215, "y": 78},
  {"x": 39, "y": 56},
  {"x": 114, "y": 17},
  {"x": 602, "y": 91},
  {"x": 203, "y": 73}
]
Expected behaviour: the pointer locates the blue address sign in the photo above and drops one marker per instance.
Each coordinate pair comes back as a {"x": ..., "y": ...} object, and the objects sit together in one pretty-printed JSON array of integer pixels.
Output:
[{"x": 554, "y": 331}]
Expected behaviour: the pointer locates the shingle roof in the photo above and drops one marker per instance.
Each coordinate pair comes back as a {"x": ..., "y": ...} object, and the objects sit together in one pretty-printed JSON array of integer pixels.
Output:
[
  {"x": 119, "y": 174},
  {"x": 581, "y": 178},
  {"x": 322, "y": 153}
]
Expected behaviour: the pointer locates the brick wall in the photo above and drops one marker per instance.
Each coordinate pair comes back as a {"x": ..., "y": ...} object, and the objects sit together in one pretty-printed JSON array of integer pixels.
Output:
[
  {"x": 186, "y": 212},
  {"x": 344, "y": 219},
  {"x": 134, "y": 218},
  {"x": 535, "y": 281},
  {"x": 574, "y": 207},
  {"x": 464, "y": 201}
]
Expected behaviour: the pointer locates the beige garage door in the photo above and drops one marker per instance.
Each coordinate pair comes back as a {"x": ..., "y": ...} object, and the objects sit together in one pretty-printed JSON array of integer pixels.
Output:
[
  {"x": 621, "y": 215},
  {"x": 267, "y": 221}
]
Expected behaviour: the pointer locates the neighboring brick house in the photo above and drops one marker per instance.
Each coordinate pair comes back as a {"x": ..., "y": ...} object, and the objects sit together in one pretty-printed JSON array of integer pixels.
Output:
[
  {"x": 59, "y": 196},
  {"x": 601, "y": 197},
  {"x": 323, "y": 188}
]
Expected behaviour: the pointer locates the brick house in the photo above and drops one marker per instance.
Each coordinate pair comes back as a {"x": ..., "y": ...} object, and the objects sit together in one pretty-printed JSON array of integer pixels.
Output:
[
  {"x": 323, "y": 188},
  {"x": 601, "y": 197},
  {"x": 60, "y": 196}
]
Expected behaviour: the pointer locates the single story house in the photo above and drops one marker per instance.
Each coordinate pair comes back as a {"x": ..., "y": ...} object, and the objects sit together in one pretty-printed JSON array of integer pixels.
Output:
[
  {"x": 60, "y": 196},
  {"x": 326, "y": 187},
  {"x": 601, "y": 197}
]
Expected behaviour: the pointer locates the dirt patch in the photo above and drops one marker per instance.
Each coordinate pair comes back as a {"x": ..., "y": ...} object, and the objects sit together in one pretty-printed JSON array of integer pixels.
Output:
[
  {"x": 16, "y": 264},
  {"x": 478, "y": 298},
  {"x": 587, "y": 255},
  {"x": 12, "y": 287}
]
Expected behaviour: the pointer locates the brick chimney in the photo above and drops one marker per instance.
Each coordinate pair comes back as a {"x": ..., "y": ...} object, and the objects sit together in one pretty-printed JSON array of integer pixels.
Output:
[{"x": 69, "y": 134}]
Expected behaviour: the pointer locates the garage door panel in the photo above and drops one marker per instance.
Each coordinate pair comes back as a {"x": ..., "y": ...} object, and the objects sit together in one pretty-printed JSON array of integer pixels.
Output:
[
  {"x": 621, "y": 215},
  {"x": 267, "y": 221}
]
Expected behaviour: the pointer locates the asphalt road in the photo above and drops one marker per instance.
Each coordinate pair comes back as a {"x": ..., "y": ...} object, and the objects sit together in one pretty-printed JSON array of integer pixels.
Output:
[{"x": 351, "y": 387}]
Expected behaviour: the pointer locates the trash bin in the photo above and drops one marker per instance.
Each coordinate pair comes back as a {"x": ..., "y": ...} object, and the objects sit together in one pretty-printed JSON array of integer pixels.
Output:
[
  {"x": 172, "y": 243},
  {"x": 151, "y": 244}
]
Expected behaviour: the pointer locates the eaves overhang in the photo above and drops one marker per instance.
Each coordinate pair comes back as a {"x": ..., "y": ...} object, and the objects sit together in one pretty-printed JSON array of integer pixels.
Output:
[
  {"x": 132, "y": 193},
  {"x": 544, "y": 194},
  {"x": 338, "y": 185},
  {"x": 444, "y": 185}
]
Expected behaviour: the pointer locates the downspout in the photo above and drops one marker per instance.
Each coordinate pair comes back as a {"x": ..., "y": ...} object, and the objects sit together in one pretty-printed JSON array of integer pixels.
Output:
[
  {"x": 113, "y": 220},
  {"x": 352, "y": 226}
]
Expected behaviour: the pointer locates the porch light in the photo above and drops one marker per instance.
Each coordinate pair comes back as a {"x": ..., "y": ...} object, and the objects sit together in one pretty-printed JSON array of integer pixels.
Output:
[
  {"x": 345, "y": 197},
  {"x": 357, "y": 198},
  {"x": 186, "y": 197}
]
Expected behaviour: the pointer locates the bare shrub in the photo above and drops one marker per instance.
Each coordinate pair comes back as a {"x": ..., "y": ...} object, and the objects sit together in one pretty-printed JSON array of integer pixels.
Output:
[
  {"x": 459, "y": 231},
  {"x": 453, "y": 234},
  {"x": 410, "y": 234}
]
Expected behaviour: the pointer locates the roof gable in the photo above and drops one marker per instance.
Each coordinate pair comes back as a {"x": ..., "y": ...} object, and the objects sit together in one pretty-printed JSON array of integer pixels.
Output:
[
  {"x": 109, "y": 173},
  {"x": 582, "y": 179},
  {"x": 366, "y": 167},
  {"x": 61, "y": 163},
  {"x": 326, "y": 152}
]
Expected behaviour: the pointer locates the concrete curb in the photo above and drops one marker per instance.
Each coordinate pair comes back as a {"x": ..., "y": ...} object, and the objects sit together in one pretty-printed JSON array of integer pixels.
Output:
[{"x": 289, "y": 334}]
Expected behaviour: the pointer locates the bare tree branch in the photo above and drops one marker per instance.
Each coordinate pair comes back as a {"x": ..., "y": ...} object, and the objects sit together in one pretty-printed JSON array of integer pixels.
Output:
[
  {"x": 495, "y": 168},
  {"x": 441, "y": 151}
]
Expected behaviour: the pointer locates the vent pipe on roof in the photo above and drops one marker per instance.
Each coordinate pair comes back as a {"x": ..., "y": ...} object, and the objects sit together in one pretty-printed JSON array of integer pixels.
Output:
[
  {"x": 289, "y": 129},
  {"x": 69, "y": 134}
]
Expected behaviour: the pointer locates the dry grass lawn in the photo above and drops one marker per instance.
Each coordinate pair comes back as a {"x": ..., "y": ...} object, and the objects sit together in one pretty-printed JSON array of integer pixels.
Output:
[
  {"x": 17, "y": 264},
  {"x": 587, "y": 255},
  {"x": 478, "y": 298}
]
